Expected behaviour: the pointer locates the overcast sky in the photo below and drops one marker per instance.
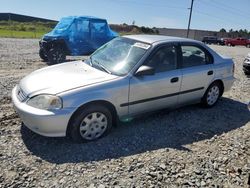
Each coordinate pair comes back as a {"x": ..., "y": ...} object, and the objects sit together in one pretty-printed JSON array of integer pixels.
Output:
[{"x": 207, "y": 14}]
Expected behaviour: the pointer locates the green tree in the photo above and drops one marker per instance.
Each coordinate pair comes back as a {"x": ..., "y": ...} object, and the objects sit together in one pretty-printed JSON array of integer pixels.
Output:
[{"x": 222, "y": 30}]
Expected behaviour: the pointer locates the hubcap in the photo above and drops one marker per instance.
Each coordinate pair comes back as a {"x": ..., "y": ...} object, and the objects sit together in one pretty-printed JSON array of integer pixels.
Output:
[
  {"x": 93, "y": 125},
  {"x": 213, "y": 95}
]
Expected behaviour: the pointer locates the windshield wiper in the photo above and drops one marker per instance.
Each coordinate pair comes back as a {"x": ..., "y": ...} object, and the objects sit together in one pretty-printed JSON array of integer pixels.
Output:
[
  {"x": 101, "y": 66},
  {"x": 105, "y": 69},
  {"x": 89, "y": 61}
]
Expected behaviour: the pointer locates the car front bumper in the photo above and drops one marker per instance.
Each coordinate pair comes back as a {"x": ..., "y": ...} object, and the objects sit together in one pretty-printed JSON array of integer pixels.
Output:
[{"x": 43, "y": 122}]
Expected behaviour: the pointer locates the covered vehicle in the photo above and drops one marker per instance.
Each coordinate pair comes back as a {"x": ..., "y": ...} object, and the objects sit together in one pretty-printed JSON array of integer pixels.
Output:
[{"x": 74, "y": 35}]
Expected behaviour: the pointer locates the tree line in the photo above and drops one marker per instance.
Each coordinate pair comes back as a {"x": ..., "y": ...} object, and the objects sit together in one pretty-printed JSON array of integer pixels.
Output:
[{"x": 235, "y": 33}]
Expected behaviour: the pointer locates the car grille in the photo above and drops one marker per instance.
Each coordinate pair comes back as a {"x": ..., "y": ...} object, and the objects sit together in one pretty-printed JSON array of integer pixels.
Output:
[{"x": 21, "y": 95}]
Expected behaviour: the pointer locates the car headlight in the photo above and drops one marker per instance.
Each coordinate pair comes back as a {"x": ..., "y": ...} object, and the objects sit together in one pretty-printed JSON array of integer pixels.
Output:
[{"x": 45, "y": 102}]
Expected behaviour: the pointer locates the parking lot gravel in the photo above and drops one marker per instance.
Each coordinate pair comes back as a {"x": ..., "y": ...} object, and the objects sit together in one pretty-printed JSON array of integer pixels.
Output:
[{"x": 186, "y": 147}]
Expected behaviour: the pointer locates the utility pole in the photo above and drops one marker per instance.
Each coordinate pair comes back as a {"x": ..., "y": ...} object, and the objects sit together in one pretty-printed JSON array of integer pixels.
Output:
[
  {"x": 10, "y": 25},
  {"x": 190, "y": 16}
]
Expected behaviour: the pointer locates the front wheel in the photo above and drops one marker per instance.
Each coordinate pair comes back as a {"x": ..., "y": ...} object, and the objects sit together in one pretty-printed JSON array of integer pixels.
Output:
[
  {"x": 212, "y": 94},
  {"x": 90, "y": 123},
  {"x": 56, "y": 55}
]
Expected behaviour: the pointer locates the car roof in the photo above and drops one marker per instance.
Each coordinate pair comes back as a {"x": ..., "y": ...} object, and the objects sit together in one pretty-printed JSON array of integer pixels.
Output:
[
  {"x": 84, "y": 17},
  {"x": 157, "y": 38}
]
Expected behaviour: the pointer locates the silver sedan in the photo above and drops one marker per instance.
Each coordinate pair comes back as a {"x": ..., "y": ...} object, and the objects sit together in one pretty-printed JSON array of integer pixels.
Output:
[{"x": 128, "y": 76}]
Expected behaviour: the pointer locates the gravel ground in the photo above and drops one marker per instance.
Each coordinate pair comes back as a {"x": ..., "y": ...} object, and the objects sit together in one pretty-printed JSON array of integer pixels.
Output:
[{"x": 186, "y": 147}]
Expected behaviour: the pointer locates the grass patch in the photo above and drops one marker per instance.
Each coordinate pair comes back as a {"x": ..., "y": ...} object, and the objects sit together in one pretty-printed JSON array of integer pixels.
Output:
[
  {"x": 21, "y": 34},
  {"x": 14, "y": 29}
]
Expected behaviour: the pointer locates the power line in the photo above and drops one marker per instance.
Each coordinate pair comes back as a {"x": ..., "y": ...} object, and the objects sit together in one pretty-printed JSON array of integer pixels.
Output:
[
  {"x": 215, "y": 17},
  {"x": 234, "y": 11},
  {"x": 212, "y": 3},
  {"x": 238, "y": 11}
]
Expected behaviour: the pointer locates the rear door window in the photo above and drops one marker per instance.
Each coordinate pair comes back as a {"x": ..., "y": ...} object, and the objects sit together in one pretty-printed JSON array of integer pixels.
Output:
[{"x": 194, "y": 56}]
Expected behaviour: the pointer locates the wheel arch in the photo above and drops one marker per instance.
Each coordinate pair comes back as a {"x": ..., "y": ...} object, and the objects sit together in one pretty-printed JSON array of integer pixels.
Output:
[
  {"x": 219, "y": 81},
  {"x": 61, "y": 43},
  {"x": 105, "y": 103}
]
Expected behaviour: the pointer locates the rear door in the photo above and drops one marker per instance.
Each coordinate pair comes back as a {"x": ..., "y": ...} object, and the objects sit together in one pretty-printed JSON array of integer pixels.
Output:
[
  {"x": 152, "y": 92},
  {"x": 197, "y": 72}
]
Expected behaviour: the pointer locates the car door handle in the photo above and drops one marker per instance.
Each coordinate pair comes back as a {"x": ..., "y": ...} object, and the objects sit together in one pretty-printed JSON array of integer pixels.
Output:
[
  {"x": 175, "y": 79},
  {"x": 210, "y": 72}
]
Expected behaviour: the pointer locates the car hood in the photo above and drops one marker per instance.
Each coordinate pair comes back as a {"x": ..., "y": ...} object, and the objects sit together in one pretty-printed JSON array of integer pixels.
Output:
[
  {"x": 53, "y": 36},
  {"x": 63, "y": 77}
]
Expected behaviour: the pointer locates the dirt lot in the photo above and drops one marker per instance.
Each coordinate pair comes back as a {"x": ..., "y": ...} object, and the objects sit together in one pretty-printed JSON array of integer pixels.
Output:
[{"x": 187, "y": 147}]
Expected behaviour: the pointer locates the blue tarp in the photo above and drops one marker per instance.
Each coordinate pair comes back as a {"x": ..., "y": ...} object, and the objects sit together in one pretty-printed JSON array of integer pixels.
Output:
[{"x": 82, "y": 34}]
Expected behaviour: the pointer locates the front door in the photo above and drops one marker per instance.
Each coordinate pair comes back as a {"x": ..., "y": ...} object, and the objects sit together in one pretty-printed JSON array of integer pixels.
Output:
[
  {"x": 79, "y": 37},
  {"x": 153, "y": 92},
  {"x": 98, "y": 32}
]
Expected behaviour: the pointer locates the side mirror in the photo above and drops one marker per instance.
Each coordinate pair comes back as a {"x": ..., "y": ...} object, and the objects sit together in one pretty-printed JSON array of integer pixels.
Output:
[{"x": 145, "y": 70}]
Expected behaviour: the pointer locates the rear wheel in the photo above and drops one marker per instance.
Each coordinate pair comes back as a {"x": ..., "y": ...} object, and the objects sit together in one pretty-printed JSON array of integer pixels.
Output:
[
  {"x": 56, "y": 55},
  {"x": 212, "y": 95},
  {"x": 43, "y": 55},
  {"x": 90, "y": 123}
]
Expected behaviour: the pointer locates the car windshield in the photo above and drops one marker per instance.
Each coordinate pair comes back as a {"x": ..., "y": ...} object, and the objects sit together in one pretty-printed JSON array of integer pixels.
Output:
[
  {"x": 118, "y": 56},
  {"x": 63, "y": 25}
]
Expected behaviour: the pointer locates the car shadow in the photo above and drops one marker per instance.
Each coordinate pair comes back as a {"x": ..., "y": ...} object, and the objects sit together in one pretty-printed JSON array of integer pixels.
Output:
[{"x": 165, "y": 129}]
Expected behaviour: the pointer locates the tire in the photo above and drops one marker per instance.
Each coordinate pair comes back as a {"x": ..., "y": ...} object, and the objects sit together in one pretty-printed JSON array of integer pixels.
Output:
[
  {"x": 246, "y": 73},
  {"x": 56, "y": 55},
  {"x": 90, "y": 123},
  {"x": 43, "y": 55},
  {"x": 212, "y": 95}
]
